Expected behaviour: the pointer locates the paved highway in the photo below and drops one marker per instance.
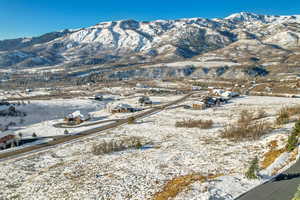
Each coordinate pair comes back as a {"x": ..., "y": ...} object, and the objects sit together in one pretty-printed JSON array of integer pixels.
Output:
[{"x": 283, "y": 187}]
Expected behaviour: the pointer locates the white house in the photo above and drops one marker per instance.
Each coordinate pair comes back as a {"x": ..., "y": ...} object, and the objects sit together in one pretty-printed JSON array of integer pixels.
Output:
[
  {"x": 76, "y": 117},
  {"x": 230, "y": 94}
]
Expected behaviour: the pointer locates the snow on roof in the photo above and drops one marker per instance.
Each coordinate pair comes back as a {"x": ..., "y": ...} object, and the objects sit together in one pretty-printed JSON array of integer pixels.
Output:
[
  {"x": 229, "y": 94},
  {"x": 218, "y": 91},
  {"x": 121, "y": 105},
  {"x": 76, "y": 114}
]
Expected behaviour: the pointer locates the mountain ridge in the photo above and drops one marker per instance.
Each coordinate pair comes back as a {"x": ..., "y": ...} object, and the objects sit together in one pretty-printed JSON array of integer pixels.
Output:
[{"x": 131, "y": 42}]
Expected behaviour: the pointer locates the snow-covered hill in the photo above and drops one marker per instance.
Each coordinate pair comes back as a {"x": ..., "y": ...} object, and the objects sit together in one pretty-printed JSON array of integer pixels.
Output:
[{"x": 132, "y": 42}]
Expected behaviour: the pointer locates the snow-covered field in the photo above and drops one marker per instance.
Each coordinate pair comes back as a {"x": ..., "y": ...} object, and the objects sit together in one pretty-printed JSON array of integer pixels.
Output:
[
  {"x": 21, "y": 93},
  {"x": 42, "y": 114},
  {"x": 196, "y": 64},
  {"x": 71, "y": 171}
]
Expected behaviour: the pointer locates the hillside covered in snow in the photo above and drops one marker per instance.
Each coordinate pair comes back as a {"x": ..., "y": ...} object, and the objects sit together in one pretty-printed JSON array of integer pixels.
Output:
[{"x": 242, "y": 39}]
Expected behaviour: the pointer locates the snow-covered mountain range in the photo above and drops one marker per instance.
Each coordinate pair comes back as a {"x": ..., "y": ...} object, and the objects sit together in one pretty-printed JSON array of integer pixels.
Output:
[{"x": 239, "y": 38}]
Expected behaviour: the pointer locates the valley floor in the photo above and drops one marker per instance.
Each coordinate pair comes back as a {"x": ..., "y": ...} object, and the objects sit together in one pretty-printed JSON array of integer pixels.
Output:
[{"x": 73, "y": 171}]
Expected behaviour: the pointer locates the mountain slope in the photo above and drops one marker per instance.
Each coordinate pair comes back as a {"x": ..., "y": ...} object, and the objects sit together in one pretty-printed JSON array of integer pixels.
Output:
[{"x": 237, "y": 37}]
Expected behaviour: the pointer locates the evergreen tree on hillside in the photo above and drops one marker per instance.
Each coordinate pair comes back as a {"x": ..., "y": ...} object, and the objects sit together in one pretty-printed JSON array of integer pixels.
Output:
[
  {"x": 253, "y": 169},
  {"x": 297, "y": 127},
  {"x": 293, "y": 138},
  {"x": 292, "y": 141}
]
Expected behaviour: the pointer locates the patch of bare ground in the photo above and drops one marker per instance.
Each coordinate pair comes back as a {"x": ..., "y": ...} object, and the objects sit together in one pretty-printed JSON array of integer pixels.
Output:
[
  {"x": 271, "y": 156},
  {"x": 179, "y": 184},
  {"x": 274, "y": 152},
  {"x": 293, "y": 156}
]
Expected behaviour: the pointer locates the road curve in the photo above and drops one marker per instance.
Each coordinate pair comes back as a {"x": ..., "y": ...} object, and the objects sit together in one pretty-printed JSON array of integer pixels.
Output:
[
  {"x": 64, "y": 139},
  {"x": 283, "y": 187}
]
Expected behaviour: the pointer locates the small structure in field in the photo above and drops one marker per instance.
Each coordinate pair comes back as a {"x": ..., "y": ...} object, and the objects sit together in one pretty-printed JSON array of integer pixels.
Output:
[
  {"x": 28, "y": 90},
  {"x": 98, "y": 97},
  {"x": 230, "y": 94},
  {"x": 198, "y": 105},
  {"x": 209, "y": 101},
  {"x": 122, "y": 108},
  {"x": 75, "y": 118},
  {"x": 217, "y": 92},
  {"x": 224, "y": 93},
  {"x": 196, "y": 88},
  {"x": 8, "y": 140},
  {"x": 144, "y": 100},
  {"x": 141, "y": 86},
  {"x": 214, "y": 101}
]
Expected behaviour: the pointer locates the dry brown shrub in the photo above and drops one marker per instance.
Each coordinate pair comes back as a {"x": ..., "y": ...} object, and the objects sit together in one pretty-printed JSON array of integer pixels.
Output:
[
  {"x": 117, "y": 145},
  {"x": 178, "y": 184},
  {"x": 293, "y": 110},
  {"x": 131, "y": 120},
  {"x": 283, "y": 116},
  {"x": 246, "y": 127},
  {"x": 270, "y": 157},
  {"x": 261, "y": 114},
  {"x": 285, "y": 113},
  {"x": 273, "y": 144},
  {"x": 250, "y": 132},
  {"x": 191, "y": 123},
  {"x": 245, "y": 118}
]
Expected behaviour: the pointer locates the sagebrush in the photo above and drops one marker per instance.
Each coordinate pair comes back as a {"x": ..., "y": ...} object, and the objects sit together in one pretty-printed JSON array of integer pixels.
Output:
[
  {"x": 191, "y": 123},
  {"x": 115, "y": 145},
  {"x": 246, "y": 127}
]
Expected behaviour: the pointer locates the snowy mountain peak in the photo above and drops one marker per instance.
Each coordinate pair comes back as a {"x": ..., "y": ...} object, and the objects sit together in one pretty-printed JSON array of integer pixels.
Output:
[
  {"x": 252, "y": 17},
  {"x": 133, "y": 41},
  {"x": 246, "y": 16}
]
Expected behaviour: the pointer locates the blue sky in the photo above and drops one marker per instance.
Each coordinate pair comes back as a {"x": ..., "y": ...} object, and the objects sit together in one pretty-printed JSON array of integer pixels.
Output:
[{"x": 20, "y": 18}]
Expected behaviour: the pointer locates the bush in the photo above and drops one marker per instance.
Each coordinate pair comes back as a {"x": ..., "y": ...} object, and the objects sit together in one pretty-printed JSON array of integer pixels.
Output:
[
  {"x": 292, "y": 142},
  {"x": 293, "y": 110},
  {"x": 117, "y": 145},
  {"x": 245, "y": 118},
  {"x": 283, "y": 116},
  {"x": 297, "y": 127},
  {"x": 253, "y": 169},
  {"x": 286, "y": 112},
  {"x": 131, "y": 120},
  {"x": 246, "y": 131},
  {"x": 261, "y": 114},
  {"x": 190, "y": 123}
]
